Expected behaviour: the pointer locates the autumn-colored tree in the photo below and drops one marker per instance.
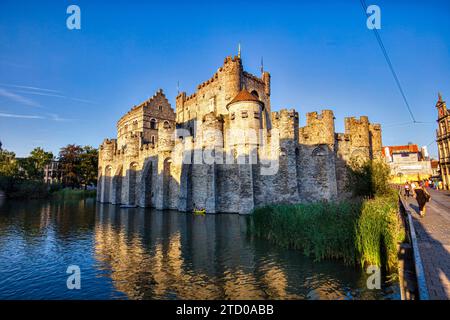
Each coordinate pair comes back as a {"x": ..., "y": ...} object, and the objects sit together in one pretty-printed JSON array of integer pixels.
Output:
[
  {"x": 70, "y": 159},
  {"x": 79, "y": 165}
]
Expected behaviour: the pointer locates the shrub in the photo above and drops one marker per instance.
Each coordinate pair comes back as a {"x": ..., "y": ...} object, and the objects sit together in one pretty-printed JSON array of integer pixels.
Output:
[
  {"x": 69, "y": 193},
  {"x": 368, "y": 179},
  {"x": 357, "y": 232},
  {"x": 23, "y": 189}
]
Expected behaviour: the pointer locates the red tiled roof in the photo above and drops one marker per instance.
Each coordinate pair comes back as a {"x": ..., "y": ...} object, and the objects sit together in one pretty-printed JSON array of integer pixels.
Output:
[
  {"x": 413, "y": 148},
  {"x": 244, "y": 95}
]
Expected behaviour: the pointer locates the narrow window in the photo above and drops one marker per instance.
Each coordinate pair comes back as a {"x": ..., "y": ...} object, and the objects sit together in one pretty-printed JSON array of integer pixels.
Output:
[{"x": 152, "y": 124}]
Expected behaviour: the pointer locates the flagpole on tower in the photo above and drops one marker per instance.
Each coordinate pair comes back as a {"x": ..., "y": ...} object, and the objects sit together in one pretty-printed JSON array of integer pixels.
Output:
[{"x": 262, "y": 65}]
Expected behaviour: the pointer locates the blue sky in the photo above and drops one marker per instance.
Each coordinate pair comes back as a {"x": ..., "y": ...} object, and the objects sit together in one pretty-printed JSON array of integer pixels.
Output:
[{"x": 60, "y": 86}]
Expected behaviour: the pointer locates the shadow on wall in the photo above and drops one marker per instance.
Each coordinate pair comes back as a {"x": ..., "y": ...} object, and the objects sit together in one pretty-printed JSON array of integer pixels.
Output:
[{"x": 305, "y": 173}]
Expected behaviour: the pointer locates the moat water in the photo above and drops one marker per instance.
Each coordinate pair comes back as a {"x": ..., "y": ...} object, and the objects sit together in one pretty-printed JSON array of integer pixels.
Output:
[{"x": 148, "y": 254}]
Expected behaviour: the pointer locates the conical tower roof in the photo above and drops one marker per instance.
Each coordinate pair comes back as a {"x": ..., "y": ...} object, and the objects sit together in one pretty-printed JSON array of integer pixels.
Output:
[{"x": 244, "y": 95}]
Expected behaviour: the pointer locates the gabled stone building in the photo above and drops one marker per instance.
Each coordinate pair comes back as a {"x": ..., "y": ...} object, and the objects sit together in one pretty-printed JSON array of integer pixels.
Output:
[
  {"x": 443, "y": 141},
  {"x": 224, "y": 150}
]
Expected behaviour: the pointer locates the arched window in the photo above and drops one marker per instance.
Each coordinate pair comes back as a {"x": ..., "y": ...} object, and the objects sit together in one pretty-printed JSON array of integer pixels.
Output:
[
  {"x": 166, "y": 125},
  {"x": 255, "y": 93},
  {"x": 152, "y": 124},
  {"x": 319, "y": 152},
  {"x": 152, "y": 139}
]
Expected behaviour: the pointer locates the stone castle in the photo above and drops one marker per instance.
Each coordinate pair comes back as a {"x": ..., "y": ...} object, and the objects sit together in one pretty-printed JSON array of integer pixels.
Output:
[{"x": 224, "y": 150}]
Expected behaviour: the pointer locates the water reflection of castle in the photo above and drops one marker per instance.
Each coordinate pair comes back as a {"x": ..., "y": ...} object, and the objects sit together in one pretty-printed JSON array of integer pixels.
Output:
[
  {"x": 178, "y": 256},
  {"x": 173, "y": 256}
]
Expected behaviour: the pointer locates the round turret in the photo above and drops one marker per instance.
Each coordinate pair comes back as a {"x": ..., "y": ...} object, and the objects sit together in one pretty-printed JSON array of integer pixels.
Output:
[
  {"x": 166, "y": 140},
  {"x": 245, "y": 112}
]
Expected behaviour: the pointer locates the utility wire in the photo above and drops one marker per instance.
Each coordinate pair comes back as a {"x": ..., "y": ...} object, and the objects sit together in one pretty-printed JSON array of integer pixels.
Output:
[{"x": 391, "y": 67}]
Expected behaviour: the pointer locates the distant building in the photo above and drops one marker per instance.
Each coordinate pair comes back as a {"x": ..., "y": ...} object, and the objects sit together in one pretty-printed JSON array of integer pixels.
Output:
[
  {"x": 53, "y": 172},
  {"x": 408, "y": 163},
  {"x": 436, "y": 171},
  {"x": 443, "y": 141}
]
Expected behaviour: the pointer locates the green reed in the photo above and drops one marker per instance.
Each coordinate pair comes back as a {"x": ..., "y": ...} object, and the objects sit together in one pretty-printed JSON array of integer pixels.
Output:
[{"x": 358, "y": 232}]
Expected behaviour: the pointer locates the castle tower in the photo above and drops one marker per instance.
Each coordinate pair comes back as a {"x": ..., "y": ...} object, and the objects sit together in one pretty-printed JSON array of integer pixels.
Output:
[
  {"x": 358, "y": 130},
  {"x": 376, "y": 144},
  {"x": 245, "y": 112},
  {"x": 231, "y": 75},
  {"x": 166, "y": 136}
]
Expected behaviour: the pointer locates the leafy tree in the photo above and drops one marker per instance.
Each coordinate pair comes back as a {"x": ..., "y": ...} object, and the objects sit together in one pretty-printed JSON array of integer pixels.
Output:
[
  {"x": 369, "y": 179},
  {"x": 39, "y": 158},
  {"x": 32, "y": 168},
  {"x": 80, "y": 165},
  {"x": 70, "y": 160},
  {"x": 8, "y": 164},
  {"x": 89, "y": 166}
]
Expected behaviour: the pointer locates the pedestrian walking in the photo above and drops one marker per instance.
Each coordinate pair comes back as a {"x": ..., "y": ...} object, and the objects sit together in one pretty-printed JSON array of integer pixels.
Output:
[
  {"x": 422, "y": 197},
  {"x": 407, "y": 188}
]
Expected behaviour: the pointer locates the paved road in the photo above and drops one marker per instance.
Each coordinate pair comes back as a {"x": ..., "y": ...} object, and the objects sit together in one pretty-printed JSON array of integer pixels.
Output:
[{"x": 433, "y": 236}]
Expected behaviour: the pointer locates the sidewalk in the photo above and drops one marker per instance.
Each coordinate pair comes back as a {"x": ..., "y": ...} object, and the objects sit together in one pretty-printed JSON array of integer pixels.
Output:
[{"x": 433, "y": 236}]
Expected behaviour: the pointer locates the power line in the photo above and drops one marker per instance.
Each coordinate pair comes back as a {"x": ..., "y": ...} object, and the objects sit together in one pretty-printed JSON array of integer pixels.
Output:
[{"x": 391, "y": 67}]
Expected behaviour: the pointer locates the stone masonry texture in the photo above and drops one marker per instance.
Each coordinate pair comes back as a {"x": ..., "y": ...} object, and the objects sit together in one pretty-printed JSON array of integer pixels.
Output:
[{"x": 162, "y": 158}]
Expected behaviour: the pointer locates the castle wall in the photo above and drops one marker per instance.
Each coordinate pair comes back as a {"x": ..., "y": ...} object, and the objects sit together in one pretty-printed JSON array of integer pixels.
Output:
[
  {"x": 317, "y": 161},
  {"x": 152, "y": 166}
]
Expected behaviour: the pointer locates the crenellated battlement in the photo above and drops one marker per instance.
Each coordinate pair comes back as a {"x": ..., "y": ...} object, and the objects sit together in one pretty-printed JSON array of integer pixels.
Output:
[
  {"x": 358, "y": 129},
  {"x": 319, "y": 128},
  {"x": 253, "y": 77},
  {"x": 286, "y": 121},
  {"x": 342, "y": 137},
  {"x": 323, "y": 116},
  {"x": 229, "y": 115}
]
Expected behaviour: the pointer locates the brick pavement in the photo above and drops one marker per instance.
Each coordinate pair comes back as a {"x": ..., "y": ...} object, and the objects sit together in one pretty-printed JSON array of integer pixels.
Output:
[{"x": 433, "y": 236}]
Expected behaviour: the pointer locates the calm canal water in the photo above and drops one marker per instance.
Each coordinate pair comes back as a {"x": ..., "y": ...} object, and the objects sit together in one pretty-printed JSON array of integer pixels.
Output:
[{"x": 149, "y": 254}]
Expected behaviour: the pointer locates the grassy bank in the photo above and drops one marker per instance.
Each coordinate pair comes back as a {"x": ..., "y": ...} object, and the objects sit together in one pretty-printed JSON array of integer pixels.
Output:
[
  {"x": 74, "y": 193},
  {"x": 357, "y": 232},
  {"x": 15, "y": 188},
  {"x": 23, "y": 189}
]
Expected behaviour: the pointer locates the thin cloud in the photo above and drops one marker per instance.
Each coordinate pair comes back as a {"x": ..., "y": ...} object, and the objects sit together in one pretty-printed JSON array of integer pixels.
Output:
[
  {"x": 20, "y": 116},
  {"x": 18, "y": 98},
  {"x": 28, "y": 87},
  {"x": 55, "y": 117},
  {"x": 50, "y": 116},
  {"x": 53, "y": 95}
]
